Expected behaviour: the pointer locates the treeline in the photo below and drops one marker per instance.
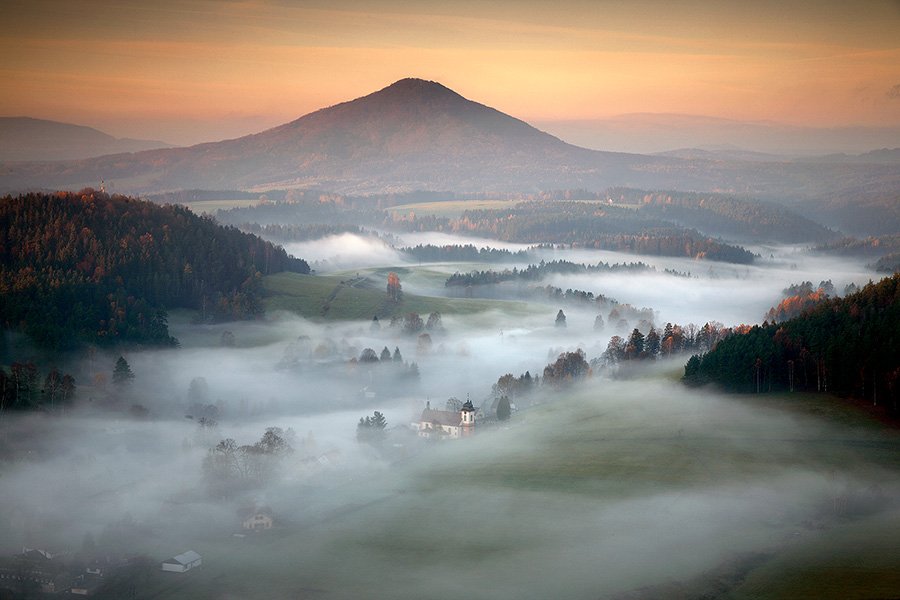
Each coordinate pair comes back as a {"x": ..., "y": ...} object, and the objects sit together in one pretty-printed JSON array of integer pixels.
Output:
[
  {"x": 674, "y": 339},
  {"x": 551, "y": 216},
  {"x": 570, "y": 296},
  {"x": 306, "y": 208},
  {"x": 845, "y": 345},
  {"x": 579, "y": 224},
  {"x": 23, "y": 388},
  {"x": 799, "y": 298},
  {"x": 103, "y": 269},
  {"x": 870, "y": 246},
  {"x": 886, "y": 247},
  {"x": 462, "y": 253},
  {"x": 301, "y": 233},
  {"x": 538, "y": 271},
  {"x": 720, "y": 214},
  {"x": 889, "y": 263}
]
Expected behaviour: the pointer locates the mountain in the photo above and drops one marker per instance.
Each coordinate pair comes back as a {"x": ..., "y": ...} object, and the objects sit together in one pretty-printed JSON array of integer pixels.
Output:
[
  {"x": 413, "y": 134},
  {"x": 27, "y": 139},
  {"x": 420, "y": 135}
]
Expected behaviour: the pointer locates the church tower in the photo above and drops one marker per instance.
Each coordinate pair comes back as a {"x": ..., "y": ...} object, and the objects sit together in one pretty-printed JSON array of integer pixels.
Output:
[{"x": 467, "y": 419}]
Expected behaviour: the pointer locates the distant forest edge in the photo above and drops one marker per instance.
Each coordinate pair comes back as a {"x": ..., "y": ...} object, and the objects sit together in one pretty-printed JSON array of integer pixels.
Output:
[
  {"x": 591, "y": 223},
  {"x": 848, "y": 346},
  {"x": 90, "y": 267}
]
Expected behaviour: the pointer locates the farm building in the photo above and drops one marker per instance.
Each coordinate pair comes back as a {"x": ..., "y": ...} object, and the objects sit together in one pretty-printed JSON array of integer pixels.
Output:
[{"x": 183, "y": 562}]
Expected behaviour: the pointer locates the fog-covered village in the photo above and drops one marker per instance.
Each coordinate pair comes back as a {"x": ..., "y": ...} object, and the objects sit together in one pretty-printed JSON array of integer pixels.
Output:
[{"x": 424, "y": 339}]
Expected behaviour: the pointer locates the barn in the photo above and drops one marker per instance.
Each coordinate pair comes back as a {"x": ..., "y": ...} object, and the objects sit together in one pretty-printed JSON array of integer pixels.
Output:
[{"x": 183, "y": 562}]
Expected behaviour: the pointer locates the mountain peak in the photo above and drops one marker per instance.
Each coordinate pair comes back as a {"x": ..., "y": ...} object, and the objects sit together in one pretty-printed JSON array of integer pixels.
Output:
[
  {"x": 414, "y": 84},
  {"x": 412, "y": 89}
]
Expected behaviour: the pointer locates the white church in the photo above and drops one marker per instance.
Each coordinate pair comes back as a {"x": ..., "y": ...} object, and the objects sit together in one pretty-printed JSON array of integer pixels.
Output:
[{"x": 446, "y": 424}]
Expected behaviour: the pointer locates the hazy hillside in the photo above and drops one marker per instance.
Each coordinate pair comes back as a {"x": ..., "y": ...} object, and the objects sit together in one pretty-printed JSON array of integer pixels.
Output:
[
  {"x": 662, "y": 132},
  {"x": 27, "y": 139}
]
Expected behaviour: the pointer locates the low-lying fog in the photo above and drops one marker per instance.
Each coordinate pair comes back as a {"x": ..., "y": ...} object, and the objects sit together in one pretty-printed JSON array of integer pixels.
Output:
[
  {"x": 585, "y": 493},
  {"x": 714, "y": 291}
]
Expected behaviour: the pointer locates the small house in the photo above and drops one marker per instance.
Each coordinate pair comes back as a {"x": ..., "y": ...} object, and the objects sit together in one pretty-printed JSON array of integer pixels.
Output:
[
  {"x": 182, "y": 562},
  {"x": 258, "y": 519}
]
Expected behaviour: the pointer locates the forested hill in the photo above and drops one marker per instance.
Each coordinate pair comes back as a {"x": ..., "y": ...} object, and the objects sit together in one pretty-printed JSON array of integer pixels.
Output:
[
  {"x": 847, "y": 345},
  {"x": 98, "y": 268}
]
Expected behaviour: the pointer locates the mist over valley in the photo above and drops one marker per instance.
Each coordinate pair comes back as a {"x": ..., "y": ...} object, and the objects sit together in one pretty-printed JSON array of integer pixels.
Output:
[{"x": 408, "y": 346}]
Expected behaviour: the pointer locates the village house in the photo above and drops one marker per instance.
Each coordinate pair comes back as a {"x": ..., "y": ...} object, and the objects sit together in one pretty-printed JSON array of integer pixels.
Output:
[
  {"x": 33, "y": 567},
  {"x": 183, "y": 562},
  {"x": 258, "y": 519},
  {"x": 446, "y": 424}
]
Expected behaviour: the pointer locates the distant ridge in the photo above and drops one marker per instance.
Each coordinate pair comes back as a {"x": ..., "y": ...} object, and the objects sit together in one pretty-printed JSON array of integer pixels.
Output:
[
  {"x": 29, "y": 139},
  {"x": 419, "y": 135}
]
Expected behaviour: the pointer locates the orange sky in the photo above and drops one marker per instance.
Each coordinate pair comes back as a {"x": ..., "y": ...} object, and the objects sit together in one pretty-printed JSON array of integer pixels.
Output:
[{"x": 191, "y": 70}]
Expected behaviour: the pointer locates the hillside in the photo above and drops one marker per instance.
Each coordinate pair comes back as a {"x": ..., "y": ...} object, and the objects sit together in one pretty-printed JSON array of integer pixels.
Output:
[
  {"x": 845, "y": 345},
  {"x": 420, "y": 135},
  {"x": 27, "y": 139},
  {"x": 734, "y": 218},
  {"x": 90, "y": 267}
]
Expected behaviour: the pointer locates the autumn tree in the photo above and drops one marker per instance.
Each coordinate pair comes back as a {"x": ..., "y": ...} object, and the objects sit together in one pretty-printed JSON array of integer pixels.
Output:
[
  {"x": 434, "y": 323},
  {"x": 394, "y": 289},
  {"x": 412, "y": 323},
  {"x": 634, "y": 348},
  {"x": 424, "y": 343},
  {"x": 569, "y": 367}
]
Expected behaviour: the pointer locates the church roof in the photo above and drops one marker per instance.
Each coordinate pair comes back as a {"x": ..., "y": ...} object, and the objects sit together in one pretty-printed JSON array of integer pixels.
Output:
[{"x": 440, "y": 417}]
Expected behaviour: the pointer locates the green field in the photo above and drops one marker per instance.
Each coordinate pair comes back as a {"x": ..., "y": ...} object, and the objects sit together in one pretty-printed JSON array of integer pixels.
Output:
[
  {"x": 352, "y": 297},
  {"x": 593, "y": 495}
]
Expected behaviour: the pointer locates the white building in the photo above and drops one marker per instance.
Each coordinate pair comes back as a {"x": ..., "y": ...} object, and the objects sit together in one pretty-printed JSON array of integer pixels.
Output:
[
  {"x": 258, "y": 519},
  {"x": 446, "y": 424},
  {"x": 183, "y": 562}
]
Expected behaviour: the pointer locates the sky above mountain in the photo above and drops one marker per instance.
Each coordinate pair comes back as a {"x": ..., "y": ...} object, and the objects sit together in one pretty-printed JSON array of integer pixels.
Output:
[{"x": 191, "y": 70}]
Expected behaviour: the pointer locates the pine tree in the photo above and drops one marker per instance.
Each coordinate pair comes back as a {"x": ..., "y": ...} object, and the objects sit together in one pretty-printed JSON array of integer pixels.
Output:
[
  {"x": 560, "y": 319},
  {"x": 503, "y": 408},
  {"x": 122, "y": 374}
]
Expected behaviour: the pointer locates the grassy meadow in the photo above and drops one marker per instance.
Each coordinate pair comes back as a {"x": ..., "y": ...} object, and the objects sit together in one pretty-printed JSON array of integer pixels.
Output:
[
  {"x": 603, "y": 493},
  {"x": 359, "y": 297}
]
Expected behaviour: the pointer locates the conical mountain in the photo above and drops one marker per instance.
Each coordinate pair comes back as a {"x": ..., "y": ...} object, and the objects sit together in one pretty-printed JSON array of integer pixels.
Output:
[
  {"x": 411, "y": 135},
  {"x": 420, "y": 135}
]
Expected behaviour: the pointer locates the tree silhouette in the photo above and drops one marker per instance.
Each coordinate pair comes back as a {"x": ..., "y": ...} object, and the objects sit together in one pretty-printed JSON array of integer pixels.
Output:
[
  {"x": 560, "y": 319},
  {"x": 394, "y": 289},
  {"x": 122, "y": 373},
  {"x": 503, "y": 408}
]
